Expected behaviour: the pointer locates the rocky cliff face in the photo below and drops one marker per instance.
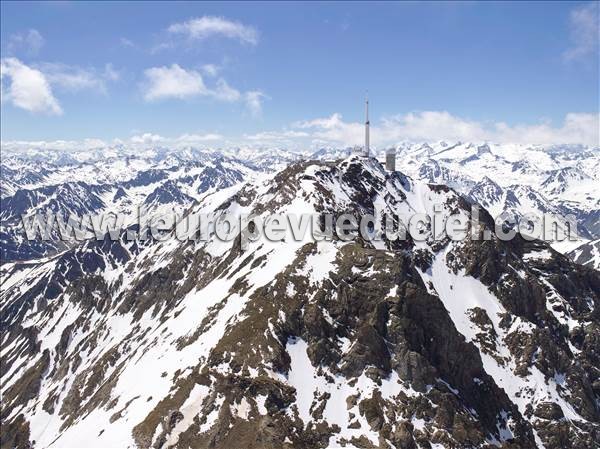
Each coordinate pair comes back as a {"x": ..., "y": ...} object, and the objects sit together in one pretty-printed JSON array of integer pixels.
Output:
[
  {"x": 303, "y": 344},
  {"x": 587, "y": 254}
]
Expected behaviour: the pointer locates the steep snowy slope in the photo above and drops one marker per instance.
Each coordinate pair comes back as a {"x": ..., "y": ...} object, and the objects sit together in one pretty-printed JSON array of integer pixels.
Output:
[
  {"x": 304, "y": 344},
  {"x": 587, "y": 254}
]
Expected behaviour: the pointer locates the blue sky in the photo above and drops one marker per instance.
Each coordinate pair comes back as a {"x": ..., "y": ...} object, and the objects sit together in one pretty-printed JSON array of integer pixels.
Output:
[{"x": 295, "y": 74}]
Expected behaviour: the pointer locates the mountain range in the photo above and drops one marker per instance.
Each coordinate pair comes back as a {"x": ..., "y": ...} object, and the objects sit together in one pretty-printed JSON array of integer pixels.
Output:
[
  {"x": 512, "y": 180},
  {"x": 416, "y": 343}
]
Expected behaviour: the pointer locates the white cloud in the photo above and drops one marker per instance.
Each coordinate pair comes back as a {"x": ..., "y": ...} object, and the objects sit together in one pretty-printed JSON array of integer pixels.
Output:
[
  {"x": 208, "y": 26},
  {"x": 73, "y": 78},
  {"x": 414, "y": 126},
  {"x": 110, "y": 73},
  {"x": 333, "y": 129},
  {"x": 177, "y": 82},
  {"x": 127, "y": 43},
  {"x": 174, "y": 142},
  {"x": 429, "y": 125},
  {"x": 577, "y": 128},
  {"x": 225, "y": 92},
  {"x": 31, "y": 87},
  {"x": 254, "y": 102},
  {"x": 62, "y": 145},
  {"x": 276, "y": 135},
  {"x": 584, "y": 24},
  {"x": 30, "y": 41},
  {"x": 211, "y": 69},
  {"x": 193, "y": 138},
  {"x": 147, "y": 138},
  {"x": 160, "y": 47},
  {"x": 137, "y": 141},
  {"x": 173, "y": 82},
  {"x": 28, "y": 88}
]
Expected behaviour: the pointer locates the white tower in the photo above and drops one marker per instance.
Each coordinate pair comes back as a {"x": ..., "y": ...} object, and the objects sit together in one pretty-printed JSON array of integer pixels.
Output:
[{"x": 367, "y": 151}]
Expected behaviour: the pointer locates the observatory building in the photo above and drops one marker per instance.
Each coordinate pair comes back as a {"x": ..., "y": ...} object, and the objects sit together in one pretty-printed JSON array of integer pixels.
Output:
[{"x": 390, "y": 159}]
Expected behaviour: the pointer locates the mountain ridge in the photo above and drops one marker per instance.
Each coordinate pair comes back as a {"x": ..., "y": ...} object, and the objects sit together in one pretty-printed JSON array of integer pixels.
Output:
[{"x": 420, "y": 342}]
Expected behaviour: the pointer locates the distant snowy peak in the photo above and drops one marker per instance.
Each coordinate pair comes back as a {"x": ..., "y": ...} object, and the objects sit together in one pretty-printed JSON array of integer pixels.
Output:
[
  {"x": 486, "y": 192},
  {"x": 158, "y": 180},
  {"x": 329, "y": 153},
  {"x": 515, "y": 201},
  {"x": 517, "y": 178},
  {"x": 435, "y": 172},
  {"x": 558, "y": 181},
  {"x": 514, "y": 178},
  {"x": 532, "y": 199},
  {"x": 167, "y": 193},
  {"x": 524, "y": 167},
  {"x": 264, "y": 159},
  {"x": 432, "y": 171},
  {"x": 480, "y": 152},
  {"x": 76, "y": 198}
]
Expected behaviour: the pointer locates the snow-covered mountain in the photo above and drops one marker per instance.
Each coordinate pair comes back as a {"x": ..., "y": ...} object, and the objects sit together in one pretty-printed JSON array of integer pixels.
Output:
[
  {"x": 303, "y": 344},
  {"x": 264, "y": 158},
  {"x": 510, "y": 180},
  {"x": 515, "y": 179},
  {"x": 106, "y": 182}
]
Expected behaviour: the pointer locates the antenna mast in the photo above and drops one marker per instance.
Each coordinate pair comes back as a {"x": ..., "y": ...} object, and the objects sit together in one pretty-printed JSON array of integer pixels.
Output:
[{"x": 367, "y": 150}]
